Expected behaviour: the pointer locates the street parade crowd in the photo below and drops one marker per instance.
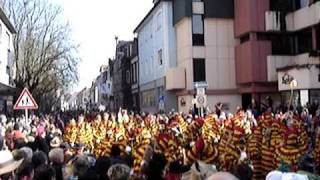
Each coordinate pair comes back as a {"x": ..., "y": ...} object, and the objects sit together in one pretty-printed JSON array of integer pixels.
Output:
[{"x": 118, "y": 146}]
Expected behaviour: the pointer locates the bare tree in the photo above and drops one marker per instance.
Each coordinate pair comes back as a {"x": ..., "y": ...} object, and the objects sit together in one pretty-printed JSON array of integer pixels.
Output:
[{"x": 45, "y": 56}]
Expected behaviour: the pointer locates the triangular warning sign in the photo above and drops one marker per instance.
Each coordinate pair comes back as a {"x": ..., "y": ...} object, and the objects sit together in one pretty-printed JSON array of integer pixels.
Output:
[{"x": 25, "y": 101}]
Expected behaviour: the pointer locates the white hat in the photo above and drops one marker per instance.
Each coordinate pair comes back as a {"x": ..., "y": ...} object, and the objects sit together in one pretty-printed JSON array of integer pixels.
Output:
[
  {"x": 55, "y": 142},
  {"x": 7, "y": 163}
]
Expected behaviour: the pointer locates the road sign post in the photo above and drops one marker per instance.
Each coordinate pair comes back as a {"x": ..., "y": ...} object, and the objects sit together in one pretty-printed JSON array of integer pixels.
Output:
[
  {"x": 25, "y": 102},
  {"x": 201, "y": 98}
]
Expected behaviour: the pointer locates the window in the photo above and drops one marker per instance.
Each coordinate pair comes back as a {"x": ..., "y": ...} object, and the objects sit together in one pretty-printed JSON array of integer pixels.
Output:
[
  {"x": 199, "y": 70},
  {"x": 314, "y": 96},
  {"x": 8, "y": 40},
  {"x": 304, "y": 3},
  {"x": 159, "y": 21},
  {"x": 304, "y": 41},
  {"x": 160, "y": 57},
  {"x": 197, "y": 30},
  {"x": 281, "y": 45},
  {"x": 134, "y": 72},
  {"x": 128, "y": 76},
  {"x": 148, "y": 98}
]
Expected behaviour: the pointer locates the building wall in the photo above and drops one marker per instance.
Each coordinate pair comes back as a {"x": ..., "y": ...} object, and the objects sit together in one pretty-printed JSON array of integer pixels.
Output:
[
  {"x": 219, "y": 55},
  {"x": 5, "y": 45},
  {"x": 218, "y": 52},
  {"x": 306, "y": 77},
  {"x": 250, "y": 16},
  {"x": 230, "y": 101},
  {"x": 153, "y": 36},
  {"x": 251, "y": 61},
  {"x": 156, "y": 33}
]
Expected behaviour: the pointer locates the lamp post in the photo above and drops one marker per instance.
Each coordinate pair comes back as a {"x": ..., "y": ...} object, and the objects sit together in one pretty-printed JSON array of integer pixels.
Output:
[{"x": 292, "y": 83}]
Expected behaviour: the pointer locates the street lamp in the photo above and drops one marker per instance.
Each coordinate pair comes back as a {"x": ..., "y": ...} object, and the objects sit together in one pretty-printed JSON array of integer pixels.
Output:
[{"x": 292, "y": 83}]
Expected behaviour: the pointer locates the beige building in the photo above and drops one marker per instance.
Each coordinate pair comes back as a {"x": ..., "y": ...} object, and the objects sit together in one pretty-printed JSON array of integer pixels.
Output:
[{"x": 205, "y": 47}]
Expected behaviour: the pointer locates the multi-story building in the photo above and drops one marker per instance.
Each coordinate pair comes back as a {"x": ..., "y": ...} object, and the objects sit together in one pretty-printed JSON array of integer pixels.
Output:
[
  {"x": 204, "y": 34},
  {"x": 121, "y": 83},
  {"x": 243, "y": 50},
  {"x": 108, "y": 86},
  {"x": 135, "y": 75},
  {"x": 277, "y": 39},
  {"x": 83, "y": 98},
  {"x": 7, "y": 64},
  {"x": 156, "y": 53},
  {"x": 98, "y": 91}
]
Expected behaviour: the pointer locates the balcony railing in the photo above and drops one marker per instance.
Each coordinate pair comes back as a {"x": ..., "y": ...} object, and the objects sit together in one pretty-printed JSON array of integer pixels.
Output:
[
  {"x": 276, "y": 62},
  {"x": 304, "y": 17},
  {"x": 272, "y": 21}
]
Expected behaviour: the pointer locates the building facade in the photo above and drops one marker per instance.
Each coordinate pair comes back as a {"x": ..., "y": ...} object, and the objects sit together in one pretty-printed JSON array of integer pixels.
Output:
[
  {"x": 134, "y": 76},
  {"x": 121, "y": 89},
  {"x": 204, "y": 33},
  {"x": 156, "y": 53},
  {"x": 98, "y": 91},
  {"x": 7, "y": 64},
  {"x": 83, "y": 99},
  {"x": 277, "y": 39}
]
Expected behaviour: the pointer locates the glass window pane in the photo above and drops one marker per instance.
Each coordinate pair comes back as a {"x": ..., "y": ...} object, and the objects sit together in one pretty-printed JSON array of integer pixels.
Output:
[{"x": 197, "y": 24}]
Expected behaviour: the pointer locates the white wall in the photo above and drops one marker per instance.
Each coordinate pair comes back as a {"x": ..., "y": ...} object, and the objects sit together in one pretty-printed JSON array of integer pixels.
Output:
[
  {"x": 218, "y": 52},
  {"x": 154, "y": 34},
  {"x": 4, "y": 46},
  {"x": 306, "y": 78},
  {"x": 303, "y": 18}
]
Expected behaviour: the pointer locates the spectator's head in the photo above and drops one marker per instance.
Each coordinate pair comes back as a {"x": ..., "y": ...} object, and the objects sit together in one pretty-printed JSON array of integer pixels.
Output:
[
  {"x": 156, "y": 166},
  {"x": 28, "y": 152},
  {"x": 243, "y": 172},
  {"x": 41, "y": 131},
  {"x": 56, "y": 156},
  {"x": 222, "y": 176},
  {"x": 25, "y": 171},
  {"x": 19, "y": 143},
  {"x": 115, "y": 151},
  {"x": 55, "y": 142},
  {"x": 102, "y": 165},
  {"x": 16, "y": 127},
  {"x": 39, "y": 158},
  {"x": 307, "y": 164},
  {"x": 8, "y": 164},
  {"x": 119, "y": 172},
  {"x": 80, "y": 166},
  {"x": 19, "y": 154},
  {"x": 44, "y": 172}
]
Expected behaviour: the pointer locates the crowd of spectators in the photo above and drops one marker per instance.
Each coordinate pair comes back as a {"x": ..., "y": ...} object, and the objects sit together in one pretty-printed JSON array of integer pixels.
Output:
[{"x": 34, "y": 149}]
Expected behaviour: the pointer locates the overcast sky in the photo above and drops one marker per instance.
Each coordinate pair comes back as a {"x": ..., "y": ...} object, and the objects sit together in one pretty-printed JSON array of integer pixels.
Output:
[{"x": 95, "y": 23}]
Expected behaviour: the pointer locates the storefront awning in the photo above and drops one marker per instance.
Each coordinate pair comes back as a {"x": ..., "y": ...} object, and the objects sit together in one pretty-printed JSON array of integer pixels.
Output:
[{"x": 7, "y": 90}]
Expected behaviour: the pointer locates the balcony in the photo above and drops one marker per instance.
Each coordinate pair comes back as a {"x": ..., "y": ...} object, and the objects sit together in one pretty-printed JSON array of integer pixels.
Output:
[
  {"x": 276, "y": 62},
  {"x": 304, "y": 17},
  {"x": 176, "y": 79},
  {"x": 272, "y": 21}
]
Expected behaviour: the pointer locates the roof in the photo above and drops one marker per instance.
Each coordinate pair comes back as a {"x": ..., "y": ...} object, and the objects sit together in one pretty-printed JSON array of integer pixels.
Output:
[
  {"x": 7, "y": 22},
  {"x": 149, "y": 13}
]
